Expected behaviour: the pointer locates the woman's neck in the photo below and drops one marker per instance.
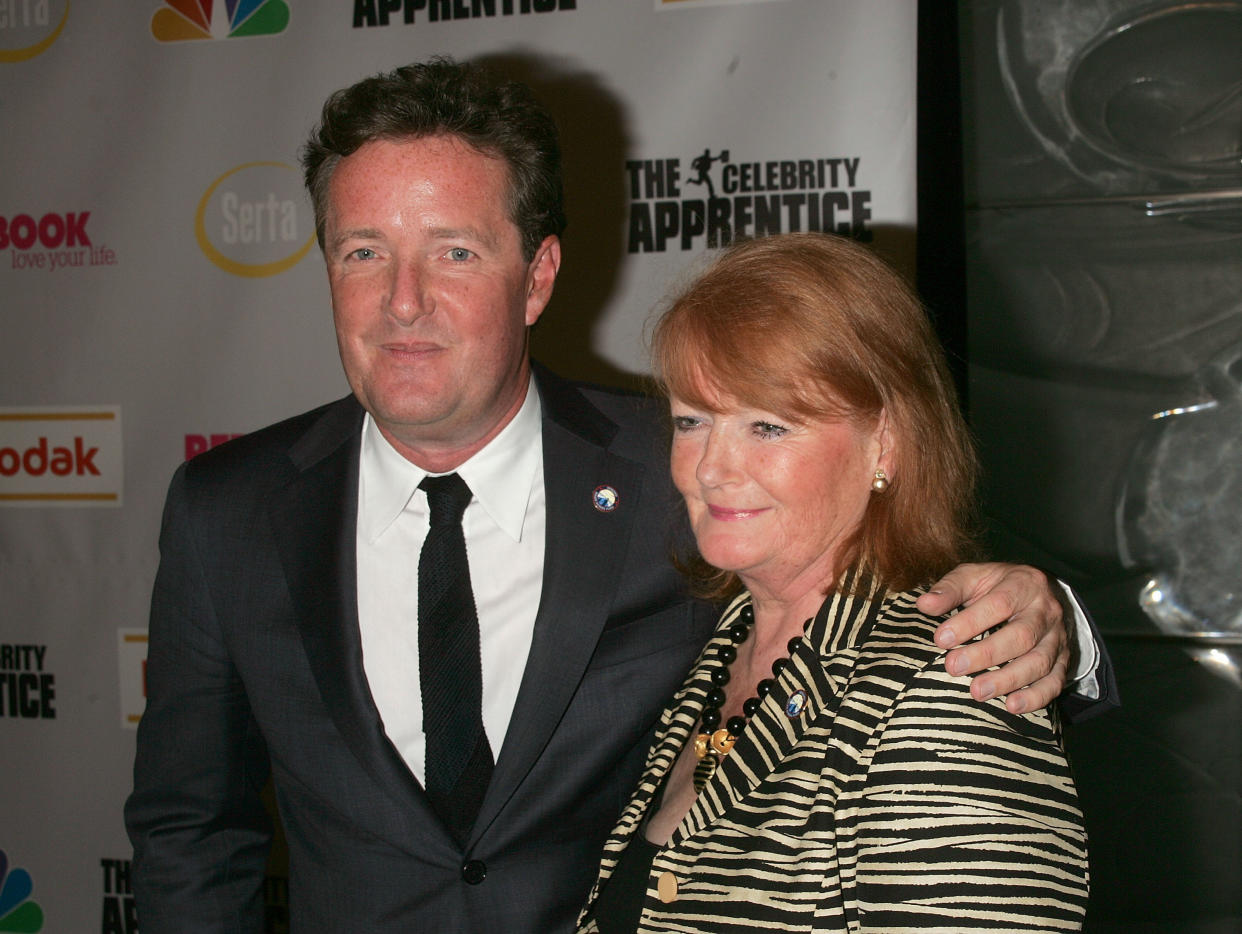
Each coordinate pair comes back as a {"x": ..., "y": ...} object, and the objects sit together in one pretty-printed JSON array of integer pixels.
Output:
[{"x": 781, "y": 616}]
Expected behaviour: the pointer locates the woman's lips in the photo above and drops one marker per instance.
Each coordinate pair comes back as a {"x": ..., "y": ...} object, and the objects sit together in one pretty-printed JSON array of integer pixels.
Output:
[{"x": 731, "y": 514}]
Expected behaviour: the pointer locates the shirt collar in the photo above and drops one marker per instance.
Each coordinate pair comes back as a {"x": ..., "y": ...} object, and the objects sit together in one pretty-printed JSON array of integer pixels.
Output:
[{"x": 501, "y": 475}]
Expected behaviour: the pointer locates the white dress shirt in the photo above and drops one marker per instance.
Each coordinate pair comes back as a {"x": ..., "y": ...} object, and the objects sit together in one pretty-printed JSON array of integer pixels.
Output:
[{"x": 504, "y": 527}]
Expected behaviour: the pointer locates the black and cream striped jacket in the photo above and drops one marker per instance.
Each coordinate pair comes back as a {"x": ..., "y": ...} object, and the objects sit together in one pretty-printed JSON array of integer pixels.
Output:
[{"x": 892, "y": 801}]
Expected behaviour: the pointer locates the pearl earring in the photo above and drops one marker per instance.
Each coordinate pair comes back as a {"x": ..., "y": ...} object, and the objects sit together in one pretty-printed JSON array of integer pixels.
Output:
[{"x": 880, "y": 483}]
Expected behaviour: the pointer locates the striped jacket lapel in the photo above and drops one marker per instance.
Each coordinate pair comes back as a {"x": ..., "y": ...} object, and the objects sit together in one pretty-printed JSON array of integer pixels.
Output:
[
  {"x": 818, "y": 672},
  {"x": 822, "y": 673}
]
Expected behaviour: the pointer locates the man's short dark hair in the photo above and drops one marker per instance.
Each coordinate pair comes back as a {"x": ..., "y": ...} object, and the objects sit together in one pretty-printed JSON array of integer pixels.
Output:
[{"x": 498, "y": 118}]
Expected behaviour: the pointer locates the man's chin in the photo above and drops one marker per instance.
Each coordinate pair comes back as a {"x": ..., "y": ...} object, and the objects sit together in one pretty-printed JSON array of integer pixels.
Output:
[
  {"x": 403, "y": 420},
  {"x": 409, "y": 400}
]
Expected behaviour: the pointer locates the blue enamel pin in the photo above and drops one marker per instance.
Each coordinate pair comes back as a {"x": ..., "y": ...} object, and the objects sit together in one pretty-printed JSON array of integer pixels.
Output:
[{"x": 604, "y": 498}]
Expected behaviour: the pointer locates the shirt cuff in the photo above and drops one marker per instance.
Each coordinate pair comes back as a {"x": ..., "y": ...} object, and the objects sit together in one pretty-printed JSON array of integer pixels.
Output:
[{"x": 1084, "y": 652}]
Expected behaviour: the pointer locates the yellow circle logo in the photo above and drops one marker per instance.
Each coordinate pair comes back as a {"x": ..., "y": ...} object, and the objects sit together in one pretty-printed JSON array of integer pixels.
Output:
[
  {"x": 27, "y": 18},
  {"x": 252, "y": 220}
]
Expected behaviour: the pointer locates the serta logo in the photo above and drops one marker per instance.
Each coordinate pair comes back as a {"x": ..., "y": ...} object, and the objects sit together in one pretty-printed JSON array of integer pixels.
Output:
[
  {"x": 254, "y": 220},
  {"x": 50, "y": 231},
  {"x": 60, "y": 457},
  {"x": 29, "y": 27},
  {"x": 178, "y": 20}
]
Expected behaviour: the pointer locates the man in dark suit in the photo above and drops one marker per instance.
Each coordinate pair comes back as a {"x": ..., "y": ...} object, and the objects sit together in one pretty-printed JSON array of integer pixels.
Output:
[{"x": 287, "y": 614}]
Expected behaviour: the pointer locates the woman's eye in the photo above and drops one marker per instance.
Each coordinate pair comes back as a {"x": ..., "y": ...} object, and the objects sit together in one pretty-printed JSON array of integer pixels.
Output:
[
  {"x": 685, "y": 422},
  {"x": 769, "y": 430}
]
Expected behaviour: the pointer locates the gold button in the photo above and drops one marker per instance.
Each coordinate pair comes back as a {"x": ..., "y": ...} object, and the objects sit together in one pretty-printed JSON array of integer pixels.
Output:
[{"x": 667, "y": 887}]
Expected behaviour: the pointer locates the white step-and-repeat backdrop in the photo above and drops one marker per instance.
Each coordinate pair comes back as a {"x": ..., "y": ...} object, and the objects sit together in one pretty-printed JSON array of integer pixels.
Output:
[{"x": 160, "y": 290}]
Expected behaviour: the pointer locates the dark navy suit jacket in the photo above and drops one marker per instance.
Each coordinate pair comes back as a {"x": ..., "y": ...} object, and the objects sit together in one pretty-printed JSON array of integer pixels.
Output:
[{"x": 255, "y": 669}]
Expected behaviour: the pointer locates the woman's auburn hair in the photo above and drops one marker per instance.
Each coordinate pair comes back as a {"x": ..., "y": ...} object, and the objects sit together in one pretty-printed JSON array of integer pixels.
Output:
[{"x": 815, "y": 326}]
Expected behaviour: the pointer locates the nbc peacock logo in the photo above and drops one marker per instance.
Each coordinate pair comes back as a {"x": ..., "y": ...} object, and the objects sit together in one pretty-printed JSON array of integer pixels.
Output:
[
  {"x": 18, "y": 914},
  {"x": 178, "y": 20}
]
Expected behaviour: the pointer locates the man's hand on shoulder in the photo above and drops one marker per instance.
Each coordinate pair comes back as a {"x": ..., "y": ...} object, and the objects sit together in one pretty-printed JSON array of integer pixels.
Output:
[{"x": 1031, "y": 645}]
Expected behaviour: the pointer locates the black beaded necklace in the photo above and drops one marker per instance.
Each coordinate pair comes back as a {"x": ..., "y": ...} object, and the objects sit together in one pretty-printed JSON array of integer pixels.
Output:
[{"x": 714, "y": 742}]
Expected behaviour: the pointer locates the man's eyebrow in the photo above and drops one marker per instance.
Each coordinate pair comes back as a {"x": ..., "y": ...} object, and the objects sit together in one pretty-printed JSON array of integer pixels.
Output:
[
  {"x": 358, "y": 233},
  {"x": 479, "y": 235}
]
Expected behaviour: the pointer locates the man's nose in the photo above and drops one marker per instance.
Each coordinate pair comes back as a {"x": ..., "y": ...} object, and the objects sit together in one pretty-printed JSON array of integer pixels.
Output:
[{"x": 407, "y": 294}]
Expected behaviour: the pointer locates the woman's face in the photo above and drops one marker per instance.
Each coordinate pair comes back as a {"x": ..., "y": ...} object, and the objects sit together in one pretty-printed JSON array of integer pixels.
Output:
[{"x": 771, "y": 498}]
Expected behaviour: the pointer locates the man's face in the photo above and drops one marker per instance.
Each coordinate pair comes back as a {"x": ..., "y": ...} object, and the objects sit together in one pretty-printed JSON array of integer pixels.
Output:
[{"x": 430, "y": 293}]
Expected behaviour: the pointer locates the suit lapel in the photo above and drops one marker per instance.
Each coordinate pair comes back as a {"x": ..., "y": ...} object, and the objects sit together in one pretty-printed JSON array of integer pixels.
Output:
[
  {"x": 580, "y": 575},
  {"x": 314, "y": 518}
]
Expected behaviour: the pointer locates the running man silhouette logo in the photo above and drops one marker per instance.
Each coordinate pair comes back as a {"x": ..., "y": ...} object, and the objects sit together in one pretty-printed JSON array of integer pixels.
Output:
[{"x": 702, "y": 164}]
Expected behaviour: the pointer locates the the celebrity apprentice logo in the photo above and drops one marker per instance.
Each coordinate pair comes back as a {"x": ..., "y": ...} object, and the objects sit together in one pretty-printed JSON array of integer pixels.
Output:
[
  {"x": 117, "y": 914},
  {"x": 713, "y": 199},
  {"x": 407, "y": 12},
  {"x": 27, "y": 687}
]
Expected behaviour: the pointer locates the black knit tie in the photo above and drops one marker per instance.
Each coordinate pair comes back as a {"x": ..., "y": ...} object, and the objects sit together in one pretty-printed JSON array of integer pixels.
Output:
[{"x": 459, "y": 759}]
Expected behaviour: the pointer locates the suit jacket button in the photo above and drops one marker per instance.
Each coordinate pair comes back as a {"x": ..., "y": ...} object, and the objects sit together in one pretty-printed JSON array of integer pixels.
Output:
[{"x": 474, "y": 871}]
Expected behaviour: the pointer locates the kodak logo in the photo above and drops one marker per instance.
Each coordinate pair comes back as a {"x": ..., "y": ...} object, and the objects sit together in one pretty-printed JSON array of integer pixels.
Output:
[{"x": 42, "y": 458}]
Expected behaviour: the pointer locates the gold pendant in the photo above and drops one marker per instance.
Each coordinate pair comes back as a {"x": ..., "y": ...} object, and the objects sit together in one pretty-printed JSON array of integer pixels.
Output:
[
  {"x": 722, "y": 741},
  {"x": 704, "y": 770}
]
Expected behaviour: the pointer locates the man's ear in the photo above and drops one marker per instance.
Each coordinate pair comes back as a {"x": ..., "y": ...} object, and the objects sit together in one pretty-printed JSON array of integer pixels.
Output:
[{"x": 541, "y": 277}]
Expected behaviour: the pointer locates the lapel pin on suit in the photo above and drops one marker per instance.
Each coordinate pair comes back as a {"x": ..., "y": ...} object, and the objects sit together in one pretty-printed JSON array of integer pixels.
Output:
[{"x": 604, "y": 498}]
